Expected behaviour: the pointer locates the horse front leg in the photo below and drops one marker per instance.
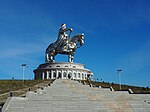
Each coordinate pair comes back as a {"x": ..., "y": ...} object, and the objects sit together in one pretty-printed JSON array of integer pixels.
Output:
[{"x": 70, "y": 58}]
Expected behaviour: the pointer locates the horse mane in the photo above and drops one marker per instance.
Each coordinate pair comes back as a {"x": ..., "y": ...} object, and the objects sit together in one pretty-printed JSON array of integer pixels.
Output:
[{"x": 74, "y": 37}]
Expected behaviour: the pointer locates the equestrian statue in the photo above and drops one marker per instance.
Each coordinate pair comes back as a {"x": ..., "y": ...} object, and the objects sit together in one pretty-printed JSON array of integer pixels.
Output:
[{"x": 64, "y": 45}]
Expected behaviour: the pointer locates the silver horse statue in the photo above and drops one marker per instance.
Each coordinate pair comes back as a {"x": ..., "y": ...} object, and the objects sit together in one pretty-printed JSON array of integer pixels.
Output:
[{"x": 68, "y": 49}]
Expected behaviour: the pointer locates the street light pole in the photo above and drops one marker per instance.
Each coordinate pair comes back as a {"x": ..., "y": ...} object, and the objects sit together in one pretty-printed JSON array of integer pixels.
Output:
[
  {"x": 23, "y": 70},
  {"x": 119, "y": 78}
]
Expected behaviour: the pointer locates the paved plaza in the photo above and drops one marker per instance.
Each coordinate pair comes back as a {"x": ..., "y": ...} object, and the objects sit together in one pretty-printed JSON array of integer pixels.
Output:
[{"x": 72, "y": 96}]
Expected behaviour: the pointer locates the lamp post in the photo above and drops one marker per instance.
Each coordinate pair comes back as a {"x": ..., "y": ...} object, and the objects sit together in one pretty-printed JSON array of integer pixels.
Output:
[
  {"x": 119, "y": 78},
  {"x": 23, "y": 70}
]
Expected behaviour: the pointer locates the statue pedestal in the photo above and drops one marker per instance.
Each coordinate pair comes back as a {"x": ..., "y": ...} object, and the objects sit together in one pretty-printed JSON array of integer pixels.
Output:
[{"x": 62, "y": 70}]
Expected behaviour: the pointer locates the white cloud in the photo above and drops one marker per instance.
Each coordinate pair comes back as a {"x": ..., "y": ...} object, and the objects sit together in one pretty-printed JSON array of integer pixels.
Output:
[{"x": 16, "y": 47}]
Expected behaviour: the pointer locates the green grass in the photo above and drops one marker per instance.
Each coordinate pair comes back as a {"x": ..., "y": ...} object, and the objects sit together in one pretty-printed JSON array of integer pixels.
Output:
[
  {"x": 18, "y": 87},
  {"x": 116, "y": 87},
  {"x": 12, "y": 85}
]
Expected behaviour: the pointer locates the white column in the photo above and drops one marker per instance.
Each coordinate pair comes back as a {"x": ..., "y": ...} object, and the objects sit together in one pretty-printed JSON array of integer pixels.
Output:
[
  {"x": 52, "y": 74},
  {"x": 76, "y": 74},
  {"x": 72, "y": 74},
  {"x": 67, "y": 74},
  {"x": 62, "y": 74},
  {"x": 80, "y": 75},
  {"x": 47, "y": 75},
  {"x": 84, "y": 76},
  {"x": 56, "y": 74},
  {"x": 43, "y": 75}
]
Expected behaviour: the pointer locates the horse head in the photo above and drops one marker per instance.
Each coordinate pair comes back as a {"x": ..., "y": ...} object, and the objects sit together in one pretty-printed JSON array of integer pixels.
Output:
[
  {"x": 78, "y": 39},
  {"x": 81, "y": 39}
]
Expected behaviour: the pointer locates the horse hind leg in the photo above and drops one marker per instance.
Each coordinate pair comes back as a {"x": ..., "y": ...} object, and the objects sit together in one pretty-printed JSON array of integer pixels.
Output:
[
  {"x": 47, "y": 58},
  {"x": 52, "y": 59},
  {"x": 69, "y": 58}
]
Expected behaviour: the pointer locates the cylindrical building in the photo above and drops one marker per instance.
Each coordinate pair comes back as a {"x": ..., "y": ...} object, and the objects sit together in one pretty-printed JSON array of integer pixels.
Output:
[{"x": 63, "y": 70}]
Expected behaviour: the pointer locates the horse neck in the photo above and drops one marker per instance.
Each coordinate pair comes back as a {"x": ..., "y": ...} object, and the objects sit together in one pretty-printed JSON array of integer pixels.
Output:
[{"x": 74, "y": 39}]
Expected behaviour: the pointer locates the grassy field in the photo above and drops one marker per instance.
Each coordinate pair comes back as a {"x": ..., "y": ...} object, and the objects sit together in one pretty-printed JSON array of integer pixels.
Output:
[
  {"x": 18, "y": 87},
  {"x": 12, "y": 85},
  {"x": 116, "y": 87}
]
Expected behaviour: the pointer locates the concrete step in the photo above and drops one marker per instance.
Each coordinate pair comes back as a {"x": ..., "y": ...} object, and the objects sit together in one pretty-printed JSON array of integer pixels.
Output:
[{"x": 71, "y": 96}]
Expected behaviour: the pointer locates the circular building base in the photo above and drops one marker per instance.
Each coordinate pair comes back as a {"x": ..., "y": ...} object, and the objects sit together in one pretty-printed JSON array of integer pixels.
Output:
[{"x": 62, "y": 70}]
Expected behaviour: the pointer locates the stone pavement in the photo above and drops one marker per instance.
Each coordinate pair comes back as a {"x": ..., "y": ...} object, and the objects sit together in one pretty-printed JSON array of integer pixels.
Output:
[{"x": 72, "y": 96}]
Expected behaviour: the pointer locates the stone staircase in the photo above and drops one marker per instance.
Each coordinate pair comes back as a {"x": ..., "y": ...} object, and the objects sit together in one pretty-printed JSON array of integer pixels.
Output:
[{"x": 72, "y": 96}]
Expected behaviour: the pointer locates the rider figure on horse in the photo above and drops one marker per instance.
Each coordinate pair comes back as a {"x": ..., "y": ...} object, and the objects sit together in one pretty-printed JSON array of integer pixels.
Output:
[
  {"x": 64, "y": 45},
  {"x": 63, "y": 37}
]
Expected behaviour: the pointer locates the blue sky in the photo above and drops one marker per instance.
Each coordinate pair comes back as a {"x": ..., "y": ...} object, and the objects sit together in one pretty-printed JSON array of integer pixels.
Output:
[{"x": 117, "y": 36}]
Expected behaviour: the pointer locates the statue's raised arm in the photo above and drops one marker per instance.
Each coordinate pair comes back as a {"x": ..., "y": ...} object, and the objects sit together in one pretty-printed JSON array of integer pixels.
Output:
[{"x": 64, "y": 45}]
